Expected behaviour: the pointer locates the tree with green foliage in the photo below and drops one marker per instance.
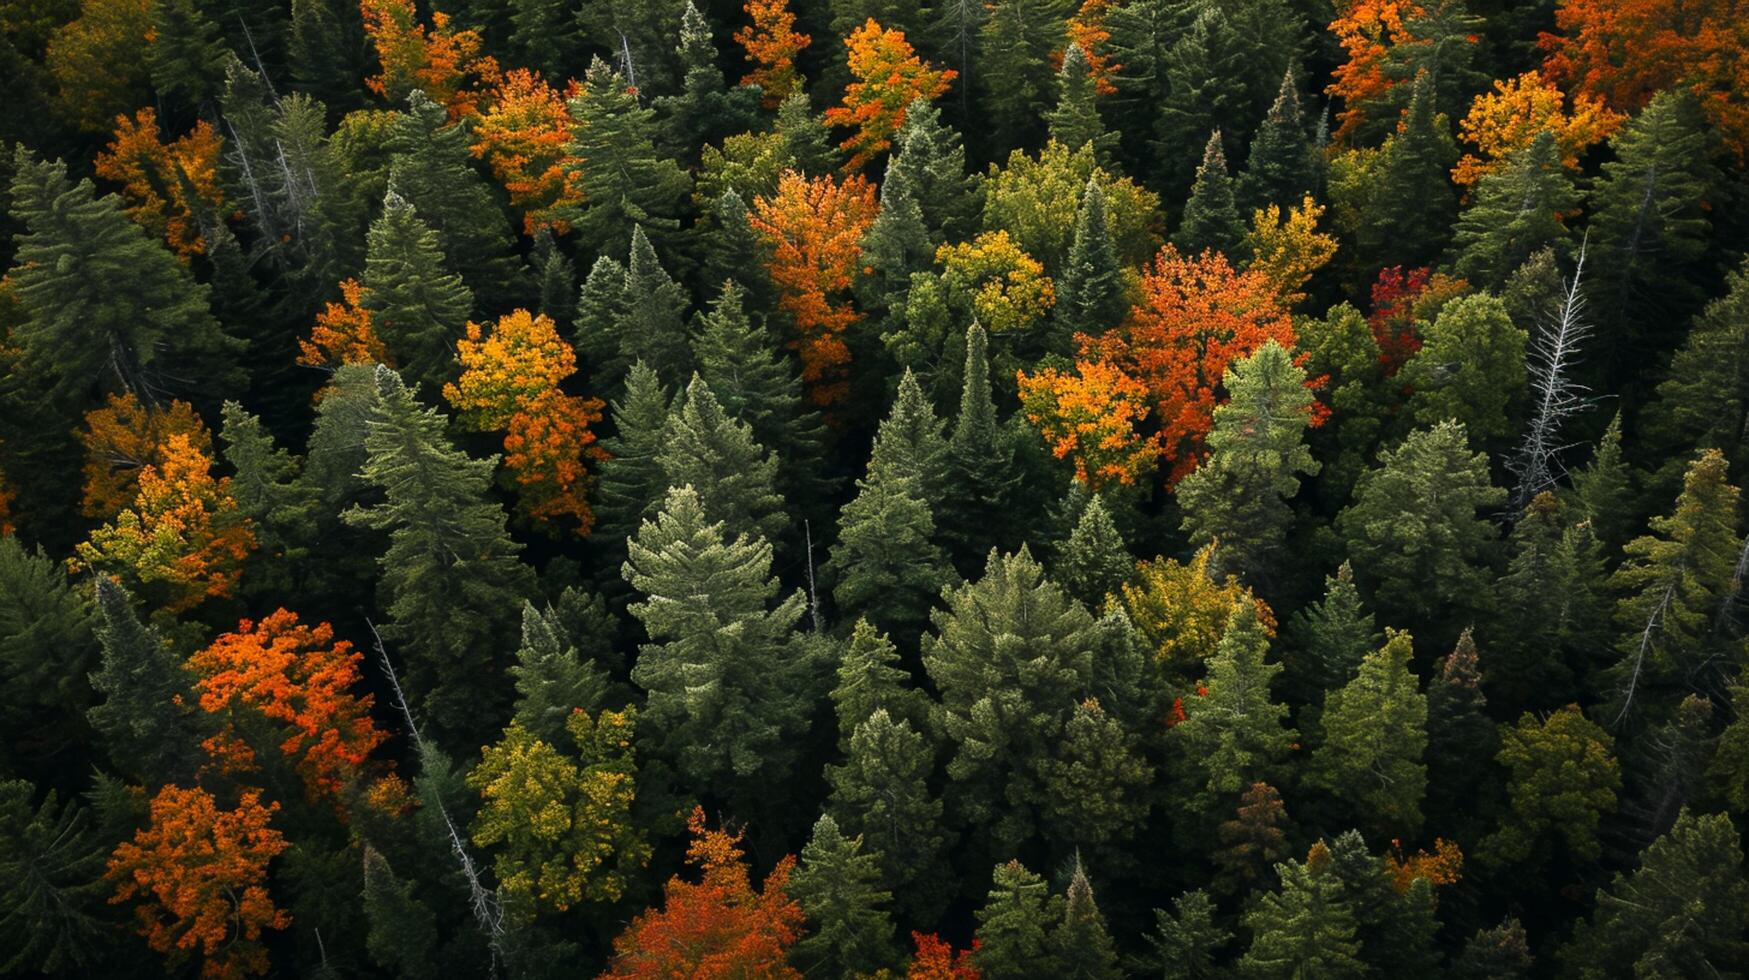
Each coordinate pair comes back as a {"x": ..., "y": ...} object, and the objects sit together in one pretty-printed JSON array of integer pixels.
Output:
[
  {"x": 1075, "y": 121},
  {"x": 187, "y": 56},
  {"x": 733, "y": 476},
  {"x": 47, "y": 644},
  {"x": 1331, "y": 637},
  {"x": 1306, "y": 928},
  {"x": 632, "y": 482},
  {"x": 417, "y": 305},
  {"x": 929, "y": 157},
  {"x": 805, "y": 136},
  {"x": 881, "y": 794},
  {"x": 886, "y": 564},
  {"x": 451, "y": 581},
  {"x": 552, "y": 678},
  {"x": 1470, "y": 368},
  {"x": 1555, "y": 597},
  {"x": 1459, "y": 730},
  {"x": 639, "y": 36},
  {"x": 1092, "y": 292},
  {"x": 1252, "y": 842},
  {"x": 977, "y": 511},
  {"x": 869, "y": 680},
  {"x": 52, "y": 889},
  {"x": 839, "y": 885},
  {"x": 1098, "y": 784},
  {"x": 623, "y": 180},
  {"x": 1498, "y": 953},
  {"x": 1516, "y": 211},
  {"x": 894, "y": 246},
  {"x": 146, "y": 716},
  {"x": 1602, "y": 491},
  {"x": 1014, "y": 926},
  {"x": 650, "y": 322},
  {"x": 1211, "y": 218},
  {"x": 1375, "y": 731},
  {"x": 1704, "y": 401},
  {"x": 1094, "y": 563},
  {"x": 1563, "y": 780},
  {"x": 1188, "y": 938},
  {"x": 1279, "y": 169},
  {"x": 1342, "y": 348},
  {"x": 324, "y": 52},
  {"x": 1202, "y": 90},
  {"x": 1412, "y": 202},
  {"x": 556, "y": 276},
  {"x": 1016, "y": 42},
  {"x": 706, "y": 108},
  {"x": 1080, "y": 941},
  {"x": 732, "y": 251},
  {"x": 912, "y": 441},
  {"x": 401, "y": 932},
  {"x": 1235, "y": 735}
]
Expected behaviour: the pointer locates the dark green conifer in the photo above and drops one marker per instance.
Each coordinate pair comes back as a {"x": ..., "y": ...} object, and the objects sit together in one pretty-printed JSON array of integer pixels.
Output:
[
  {"x": 145, "y": 718},
  {"x": 837, "y": 884},
  {"x": 1211, "y": 218},
  {"x": 623, "y": 180},
  {"x": 1279, "y": 169},
  {"x": 1515, "y": 212},
  {"x": 418, "y": 306},
  {"x": 733, "y": 476},
  {"x": 1091, "y": 290}
]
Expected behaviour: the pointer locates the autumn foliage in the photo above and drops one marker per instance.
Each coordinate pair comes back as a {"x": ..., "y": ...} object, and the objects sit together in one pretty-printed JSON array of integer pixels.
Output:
[
  {"x": 1008, "y": 288},
  {"x": 510, "y": 381},
  {"x": 1091, "y": 416},
  {"x": 343, "y": 334},
  {"x": 936, "y": 960},
  {"x": 772, "y": 43},
  {"x": 1442, "y": 867},
  {"x": 166, "y": 185},
  {"x": 302, "y": 681},
  {"x": 1289, "y": 250},
  {"x": 1512, "y": 116},
  {"x": 200, "y": 875},
  {"x": 1182, "y": 608},
  {"x": 448, "y": 65},
  {"x": 1366, "y": 29},
  {"x": 1087, "y": 28},
  {"x": 122, "y": 438},
  {"x": 813, "y": 228},
  {"x": 523, "y": 137},
  {"x": 888, "y": 76},
  {"x": 717, "y": 926},
  {"x": 1400, "y": 300}
]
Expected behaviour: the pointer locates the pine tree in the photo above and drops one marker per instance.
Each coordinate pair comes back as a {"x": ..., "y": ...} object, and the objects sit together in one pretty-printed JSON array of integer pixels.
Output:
[
  {"x": 881, "y": 794},
  {"x": 432, "y": 169},
  {"x": 977, "y": 511},
  {"x": 417, "y": 306},
  {"x": 733, "y": 476},
  {"x": 46, "y": 647},
  {"x": 1470, "y": 368},
  {"x": 1075, "y": 121},
  {"x": 930, "y": 158},
  {"x": 1201, "y": 89},
  {"x": 706, "y": 110},
  {"x": 1602, "y": 490},
  {"x": 1413, "y": 203},
  {"x": 1375, "y": 731},
  {"x": 838, "y": 885},
  {"x": 1094, "y": 563},
  {"x": 869, "y": 680},
  {"x": 552, "y": 678},
  {"x": 895, "y": 245},
  {"x": 1097, "y": 786},
  {"x": 1014, "y": 66},
  {"x": 1080, "y": 941},
  {"x": 1238, "y": 498},
  {"x": 1331, "y": 637},
  {"x": 732, "y": 251},
  {"x": 187, "y": 56},
  {"x": 651, "y": 325},
  {"x": 1211, "y": 218},
  {"x": 1517, "y": 211},
  {"x": 147, "y": 329},
  {"x": 1704, "y": 402},
  {"x": 1189, "y": 938},
  {"x": 1279, "y": 169},
  {"x": 541, "y": 36},
  {"x": 623, "y": 179},
  {"x": 1235, "y": 733},
  {"x": 1015, "y": 924},
  {"x": 450, "y": 579},
  {"x": 51, "y": 899},
  {"x": 1091, "y": 288},
  {"x": 1306, "y": 928},
  {"x": 632, "y": 482},
  {"x": 145, "y": 717},
  {"x": 728, "y": 687},
  {"x": 805, "y": 136}
]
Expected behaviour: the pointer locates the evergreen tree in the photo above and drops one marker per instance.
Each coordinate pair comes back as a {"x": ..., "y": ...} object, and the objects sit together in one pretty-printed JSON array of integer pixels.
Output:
[
  {"x": 1253, "y": 841},
  {"x": 1602, "y": 490},
  {"x": 886, "y": 564},
  {"x": 557, "y": 276},
  {"x": 46, "y": 647},
  {"x": 894, "y": 246},
  {"x": 1075, "y": 121},
  {"x": 1189, "y": 938},
  {"x": 432, "y": 169},
  {"x": 1306, "y": 928},
  {"x": 639, "y": 34},
  {"x": 732, "y": 475},
  {"x": 1458, "y": 731},
  {"x": 1499, "y": 953},
  {"x": 401, "y": 931},
  {"x": 601, "y": 306},
  {"x": 1413, "y": 203},
  {"x": 145, "y": 716},
  {"x": 706, "y": 110},
  {"x": 1238, "y": 497},
  {"x": 1684, "y": 911},
  {"x": 930, "y": 158},
  {"x": 1202, "y": 90},
  {"x": 838, "y": 885},
  {"x": 804, "y": 135},
  {"x": 732, "y": 251},
  {"x": 1080, "y": 941},
  {"x": 911, "y": 441},
  {"x": 1014, "y": 66},
  {"x": 1094, "y": 563},
  {"x": 870, "y": 681},
  {"x": 650, "y": 324},
  {"x": 541, "y": 35},
  {"x": 187, "y": 56},
  {"x": 1091, "y": 289},
  {"x": 1704, "y": 402},
  {"x": 1235, "y": 733},
  {"x": 418, "y": 307},
  {"x": 977, "y": 511},
  {"x": 450, "y": 578},
  {"x": 1470, "y": 368},
  {"x": 1516, "y": 211},
  {"x": 729, "y": 686},
  {"x": 1279, "y": 169},
  {"x": 324, "y": 48},
  {"x": 1097, "y": 784},
  {"x": 1563, "y": 778},
  {"x": 335, "y": 452},
  {"x": 52, "y": 884},
  {"x": 1331, "y": 637},
  {"x": 1014, "y": 926},
  {"x": 147, "y": 328},
  {"x": 632, "y": 482},
  {"x": 1211, "y": 219},
  {"x": 1553, "y": 608},
  {"x": 881, "y": 794},
  {"x": 623, "y": 180},
  {"x": 552, "y": 678},
  {"x": 1375, "y": 730}
]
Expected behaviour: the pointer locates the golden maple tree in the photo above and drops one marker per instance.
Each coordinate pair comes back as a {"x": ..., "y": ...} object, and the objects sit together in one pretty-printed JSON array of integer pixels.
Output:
[
  {"x": 1511, "y": 117},
  {"x": 1182, "y": 609},
  {"x": 166, "y": 185},
  {"x": 122, "y": 438},
  {"x": 448, "y": 65},
  {"x": 523, "y": 137},
  {"x": 343, "y": 334},
  {"x": 887, "y": 76},
  {"x": 1091, "y": 416},
  {"x": 1289, "y": 250}
]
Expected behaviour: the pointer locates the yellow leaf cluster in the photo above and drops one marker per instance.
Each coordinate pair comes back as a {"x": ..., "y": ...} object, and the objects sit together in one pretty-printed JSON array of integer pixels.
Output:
[
  {"x": 1008, "y": 288},
  {"x": 1289, "y": 251},
  {"x": 1183, "y": 610},
  {"x": 1512, "y": 116}
]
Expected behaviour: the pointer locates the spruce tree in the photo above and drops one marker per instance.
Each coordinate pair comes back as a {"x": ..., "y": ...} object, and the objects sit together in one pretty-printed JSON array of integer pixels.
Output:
[
  {"x": 1014, "y": 66},
  {"x": 46, "y": 647},
  {"x": 401, "y": 933},
  {"x": 733, "y": 476},
  {"x": 1412, "y": 202},
  {"x": 417, "y": 305},
  {"x": 1075, "y": 121},
  {"x": 651, "y": 326},
  {"x": 1375, "y": 731},
  {"x": 52, "y": 900},
  {"x": 145, "y": 717},
  {"x": 1238, "y": 498},
  {"x": 450, "y": 581},
  {"x": 1211, "y": 218},
  {"x": 105, "y": 307},
  {"x": 600, "y": 307},
  {"x": 983, "y": 481},
  {"x": 1279, "y": 169},
  {"x": 706, "y": 109},
  {"x": 1236, "y": 733},
  {"x": 1094, "y": 563},
  {"x": 1516, "y": 212},
  {"x": 541, "y": 36},
  {"x": 1305, "y": 928},
  {"x": 1014, "y": 926},
  {"x": 838, "y": 884},
  {"x": 881, "y": 794},
  {"x": 732, "y": 251},
  {"x": 1189, "y": 938},
  {"x": 1470, "y": 368},
  {"x": 870, "y": 680},
  {"x": 632, "y": 483},
  {"x": 1459, "y": 731},
  {"x": 556, "y": 276},
  {"x": 1097, "y": 785},
  {"x": 1331, "y": 637},
  {"x": 639, "y": 34},
  {"x": 1704, "y": 401},
  {"x": 552, "y": 678},
  {"x": 1091, "y": 288},
  {"x": 1203, "y": 89},
  {"x": 187, "y": 56},
  {"x": 930, "y": 157},
  {"x": 1080, "y": 942},
  {"x": 324, "y": 50},
  {"x": 1602, "y": 491},
  {"x": 894, "y": 246},
  {"x": 886, "y": 564},
  {"x": 1553, "y": 606},
  {"x": 728, "y": 685},
  {"x": 911, "y": 441},
  {"x": 804, "y": 135},
  {"x": 623, "y": 180}
]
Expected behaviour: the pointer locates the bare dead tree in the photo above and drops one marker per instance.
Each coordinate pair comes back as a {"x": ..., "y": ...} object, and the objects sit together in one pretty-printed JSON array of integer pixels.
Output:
[{"x": 1550, "y": 360}]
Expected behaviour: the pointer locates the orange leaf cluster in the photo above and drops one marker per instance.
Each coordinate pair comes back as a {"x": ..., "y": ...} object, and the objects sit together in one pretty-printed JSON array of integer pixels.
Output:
[
  {"x": 814, "y": 230},
  {"x": 1366, "y": 29},
  {"x": 1443, "y": 867},
  {"x": 183, "y": 532},
  {"x": 936, "y": 960},
  {"x": 298, "y": 677},
  {"x": 343, "y": 334},
  {"x": 718, "y": 926},
  {"x": 201, "y": 875},
  {"x": 523, "y": 137},
  {"x": 165, "y": 185},
  {"x": 1196, "y": 317},
  {"x": 122, "y": 438},
  {"x": 1091, "y": 416},
  {"x": 1512, "y": 116},
  {"x": 1087, "y": 28},
  {"x": 772, "y": 43},
  {"x": 1626, "y": 51},
  {"x": 888, "y": 76},
  {"x": 510, "y": 381},
  {"x": 447, "y": 65}
]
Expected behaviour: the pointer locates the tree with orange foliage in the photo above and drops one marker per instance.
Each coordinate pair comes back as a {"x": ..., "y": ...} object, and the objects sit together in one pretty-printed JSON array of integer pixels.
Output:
[
  {"x": 936, "y": 960},
  {"x": 772, "y": 43},
  {"x": 523, "y": 137},
  {"x": 183, "y": 541},
  {"x": 1509, "y": 119},
  {"x": 1443, "y": 867},
  {"x": 167, "y": 186},
  {"x": 1090, "y": 416},
  {"x": 510, "y": 380},
  {"x": 98, "y": 61},
  {"x": 300, "y": 680},
  {"x": 200, "y": 874},
  {"x": 1626, "y": 51},
  {"x": 715, "y": 927},
  {"x": 1366, "y": 29},
  {"x": 888, "y": 76},
  {"x": 448, "y": 65},
  {"x": 1087, "y": 28},
  {"x": 343, "y": 334},
  {"x": 125, "y": 436},
  {"x": 1196, "y": 316},
  {"x": 813, "y": 228}
]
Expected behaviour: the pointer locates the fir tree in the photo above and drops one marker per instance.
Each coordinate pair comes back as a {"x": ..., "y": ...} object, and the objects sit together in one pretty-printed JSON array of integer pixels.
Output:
[
  {"x": 869, "y": 680},
  {"x": 1014, "y": 66},
  {"x": 1091, "y": 289},
  {"x": 732, "y": 251},
  {"x": 1413, "y": 203},
  {"x": 450, "y": 578},
  {"x": 881, "y": 794},
  {"x": 1563, "y": 778},
  {"x": 1202, "y": 89},
  {"x": 1279, "y": 168},
  {"x": 51, "y": 902},
  {"x": 911, "y": 441},
  {"x": 1331, "y": 637},
  {"x": 1094, "y": 563},
  {"x": 1235, "y": 733},
  {"x": 622, "y": 178},
  {"x": 187, "y": 56},
  {"x": 1602, "y": 490},
  {"x": 1075, "y": 121},
  {"x": 556, "y": 275},
  {"x": 804, "y": 135},
  {"x": 1704, "y": 402},
  {"x": 838, "y": 885},
  {"x": 650, "y": 326},
  {"x": 1080, "y": 941},
  {"x": 401, "y": 931},
  {"x": 895, "y": 245},
  {"x": 1306, "y": 928},
  {"x": 541, "y": 35},
  {"x": 706, "y": 110},
  {"x": 417, "y": 305},
  {"x": 1516, "y": 212},
  {"x": 601, "y": 306},
  {"x": 1470, "y": 368},
  {"x": 1458, "y": 730},
  {"x": 983, "y": 480},
  {"x": 632, "y": 482},
  {"x": 1189, "y": 938},
  {"x": 1097, "y": 784},
  {"x": 46, "y": 647},
  {"x": 144, "y": 717},
  {"x": 1555, "y": 597},
  {"x": 732, "y": 475},
  {"x": 930, "y": 158},
  {"x": 1211, "y": 219},
  {"x": 552, "y": 678},
  {"x": 639, "y": 34},
  {"x": 886, "y": 564},
  {"x": 1498, "y": 953},
  {"x": 1375, "y": 731},
  {"x": 1014, "y": 926}
]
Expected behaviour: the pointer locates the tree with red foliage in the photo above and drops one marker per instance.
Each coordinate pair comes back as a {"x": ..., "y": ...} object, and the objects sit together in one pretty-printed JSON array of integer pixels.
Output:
[
  {"x": 715, "y": 927},
  {"x": 1399, "y": 301},
  {"x": 814, "y": 229},
  {"x": 936, "y": 960},
  {"x": 889, "y": 76}
]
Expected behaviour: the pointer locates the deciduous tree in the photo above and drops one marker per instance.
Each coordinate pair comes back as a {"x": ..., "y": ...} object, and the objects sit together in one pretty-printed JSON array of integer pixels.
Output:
[{"x": 887, "y": 76}]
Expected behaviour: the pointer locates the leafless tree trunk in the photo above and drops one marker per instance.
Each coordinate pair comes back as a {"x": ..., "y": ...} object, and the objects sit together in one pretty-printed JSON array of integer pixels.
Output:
[{"x": 1552, "y": 354}]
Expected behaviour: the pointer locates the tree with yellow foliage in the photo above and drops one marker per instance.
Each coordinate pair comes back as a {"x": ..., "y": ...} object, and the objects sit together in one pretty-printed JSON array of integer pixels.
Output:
[
  {"x": 1182, "y": 609},
  {"x": 1289, "y": 251},
  {"x": 167, "y": 186},
  {"x": 1509, "y": 119},
  {"x": 122, "y": 438},
  {"x": 888, "y": 76},
  {"x": 1091, "y": 416}
]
